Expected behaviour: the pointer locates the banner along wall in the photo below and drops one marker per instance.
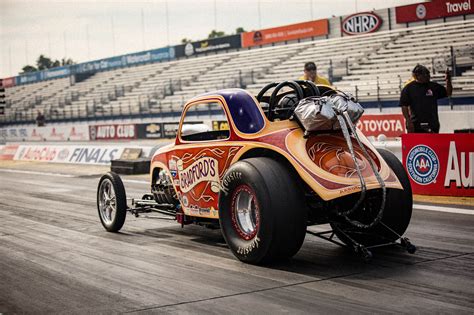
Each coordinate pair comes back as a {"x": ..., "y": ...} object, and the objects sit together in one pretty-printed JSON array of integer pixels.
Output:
[
  {"x": 440, "y": 164},
  {"x": 433, "y": 10},
  {"x": 208, "y": 45},
  {"x": 285, "y": 33}
]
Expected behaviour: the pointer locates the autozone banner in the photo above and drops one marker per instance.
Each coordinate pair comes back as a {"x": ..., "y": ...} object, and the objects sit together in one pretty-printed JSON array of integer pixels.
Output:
[
  {"x": 440, "y": 164},
  {"x": 113, "y": 132},
  {"x": 390, "y": 125},
  {"x": 284, "y": 33},
  {"x": 433, "y": 10}
]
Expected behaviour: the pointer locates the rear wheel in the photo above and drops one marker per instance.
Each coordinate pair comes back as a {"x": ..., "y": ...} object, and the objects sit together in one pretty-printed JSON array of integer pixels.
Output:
[
  {"x": 396, "y": 216},
  {"x": 111, "y": 202},
  {"x": 261, "y": 211}
]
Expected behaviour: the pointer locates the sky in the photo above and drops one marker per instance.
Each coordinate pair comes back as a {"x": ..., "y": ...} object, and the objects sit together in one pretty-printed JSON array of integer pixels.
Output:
[{"x": 85, "y": 30}]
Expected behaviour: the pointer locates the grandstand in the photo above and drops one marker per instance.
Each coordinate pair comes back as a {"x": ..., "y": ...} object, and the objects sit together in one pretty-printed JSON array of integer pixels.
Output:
[{"x": 373, "y": 67}]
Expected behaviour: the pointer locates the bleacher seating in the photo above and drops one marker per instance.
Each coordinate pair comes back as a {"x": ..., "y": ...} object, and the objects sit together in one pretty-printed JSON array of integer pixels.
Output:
[{"x": 372, "y": 67}]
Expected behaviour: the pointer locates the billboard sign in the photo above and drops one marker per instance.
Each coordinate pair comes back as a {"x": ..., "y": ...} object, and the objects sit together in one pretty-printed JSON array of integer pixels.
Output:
[
  {"x": 113, "y": 132},
  {"x": 285, "y": 33},
  {"x": 440, "y": 164},
  {"x": 8, "y": 82},
  {"x": 208, "y": 45},
  {"x": 390, "y": 125},
  {"x": 150, "y": 131},
  {"x": 361, "y": 23},
  {"x": 433, "y": 10}
]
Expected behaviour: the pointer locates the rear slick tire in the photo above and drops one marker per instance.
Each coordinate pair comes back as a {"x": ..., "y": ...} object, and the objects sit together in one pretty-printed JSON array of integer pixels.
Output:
[
  {"x": 261, "y": 211},
  {"x": 397, "y": 212}
]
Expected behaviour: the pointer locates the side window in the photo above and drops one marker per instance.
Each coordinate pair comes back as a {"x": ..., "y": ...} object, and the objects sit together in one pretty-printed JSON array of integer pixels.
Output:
[{"x": 193, "y": 129}]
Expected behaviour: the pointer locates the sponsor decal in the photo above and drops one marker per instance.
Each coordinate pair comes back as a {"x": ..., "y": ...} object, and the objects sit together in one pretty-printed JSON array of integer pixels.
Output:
[
  {"x": 197, "y": 173},
  {"x": 220, "y": 125},
  {"x": 244, "y": 250},
  {"x": 203, "y": 170},
  {"x": 361, "y": 23},
  {"x": 63, "y": 154},
  {"x": 433, "y": 10},
  {"x": 209, "y": 45},
  {"x": 189, "y": 49},
  {"x": 79, "y": 132},
  {"x": 112, "y": 132},
  {"x": 440, "y": 164},
  {"x": 459, "y": 171},
  {"x": 170, "y": 130},
  {"x": 8, "y": 82},
  {"x": 390, "y": 125},
  {"x": 55, "y": 135},
  {"x": 7, "y": 152},
  {"x": 38, "y": 153},
  {"x": 285, "y": 33},
  {"x": 68, "y": 154},
  {"x": 421, "y": 11},
  {"x": 94, "y": 155},
  {"x": 422, "y": 164}
]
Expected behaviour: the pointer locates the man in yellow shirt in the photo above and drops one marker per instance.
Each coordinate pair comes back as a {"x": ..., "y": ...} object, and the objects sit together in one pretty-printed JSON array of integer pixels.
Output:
[{"x": 311, "y": 74}]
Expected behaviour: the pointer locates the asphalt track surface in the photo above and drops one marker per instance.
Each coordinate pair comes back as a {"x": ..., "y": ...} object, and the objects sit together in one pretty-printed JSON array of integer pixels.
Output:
[{"x": 55, "y": 257}]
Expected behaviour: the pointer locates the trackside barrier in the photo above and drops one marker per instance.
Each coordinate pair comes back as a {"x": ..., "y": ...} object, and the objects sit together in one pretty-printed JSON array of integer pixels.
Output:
[
  {"x": 440, "y": 164},
  {"x": 79, "y": 132},
  {"x": 7, "y": 152},
  {"x": 74, "y": 154}
]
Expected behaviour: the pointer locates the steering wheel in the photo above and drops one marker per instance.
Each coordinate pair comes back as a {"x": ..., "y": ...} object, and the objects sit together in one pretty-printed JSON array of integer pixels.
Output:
[
  {"x": 295, "y": 86},
  {"x": 311, "y": 86}
]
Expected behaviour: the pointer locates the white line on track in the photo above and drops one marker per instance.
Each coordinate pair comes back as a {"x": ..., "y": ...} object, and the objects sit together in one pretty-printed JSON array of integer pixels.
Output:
[
  {"x": 35, "y": 173},
  {"x": 143, "y": 182},
  {"x": 135, "y": 181},
  {"x": 442, "y": 209}
]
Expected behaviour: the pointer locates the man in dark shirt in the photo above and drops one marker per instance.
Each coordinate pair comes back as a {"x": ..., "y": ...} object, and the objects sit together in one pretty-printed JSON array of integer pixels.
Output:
[{"x": 419, "y": 101}]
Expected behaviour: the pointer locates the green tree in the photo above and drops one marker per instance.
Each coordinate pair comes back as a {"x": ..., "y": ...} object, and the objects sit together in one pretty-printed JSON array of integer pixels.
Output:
[
  {"x": 215, "y": 34},
  {"x": 28, "y": 68},
  {"x": 239, "y": 30},
  {"x": 44, "y": 62},
  {"x": 66, "y": 62},
  {"x": 185, "y": 40}
]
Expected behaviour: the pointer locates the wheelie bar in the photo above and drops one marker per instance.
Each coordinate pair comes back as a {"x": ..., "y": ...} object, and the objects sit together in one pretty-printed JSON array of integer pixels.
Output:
[{"x": 365, "y": 251}]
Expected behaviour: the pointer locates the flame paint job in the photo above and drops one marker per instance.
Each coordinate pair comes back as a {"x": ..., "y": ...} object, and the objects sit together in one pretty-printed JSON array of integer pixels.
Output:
[{"x": 322, "y": 161}]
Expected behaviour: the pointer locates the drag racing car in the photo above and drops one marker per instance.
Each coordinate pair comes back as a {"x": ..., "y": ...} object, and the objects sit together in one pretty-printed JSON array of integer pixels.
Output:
[{"x": 262, "y": 176}]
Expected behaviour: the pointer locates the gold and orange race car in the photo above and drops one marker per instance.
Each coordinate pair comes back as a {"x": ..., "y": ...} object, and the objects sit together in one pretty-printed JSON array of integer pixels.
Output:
[{"x": 263, "y": 180}]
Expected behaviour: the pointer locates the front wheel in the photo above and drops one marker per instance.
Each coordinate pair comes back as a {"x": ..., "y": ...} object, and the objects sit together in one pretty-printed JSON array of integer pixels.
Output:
[
  {"x": 261, "y": 211},
  {"x": 111, "y": 202}
]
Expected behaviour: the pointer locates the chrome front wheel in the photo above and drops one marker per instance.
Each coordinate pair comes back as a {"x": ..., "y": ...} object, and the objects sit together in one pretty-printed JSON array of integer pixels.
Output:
[{"x": 111, "y": 202}]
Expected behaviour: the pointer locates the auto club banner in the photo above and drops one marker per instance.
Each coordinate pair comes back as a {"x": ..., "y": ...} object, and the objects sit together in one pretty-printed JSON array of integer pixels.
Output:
[
  {"x": 390, "y": 125},
  {"x": 285, "y": 33},
  {"x": 440, "y": 164},
  {"x": 433, "y": 10},
  {"x": 113, "y": 132},
  {"x": 208, "y": 45}
]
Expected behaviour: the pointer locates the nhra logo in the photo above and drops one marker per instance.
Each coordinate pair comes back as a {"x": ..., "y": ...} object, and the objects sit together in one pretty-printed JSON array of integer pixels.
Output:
[
  {"x": 422, "y": 164},
  {"x": 421, "y": 11}
]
